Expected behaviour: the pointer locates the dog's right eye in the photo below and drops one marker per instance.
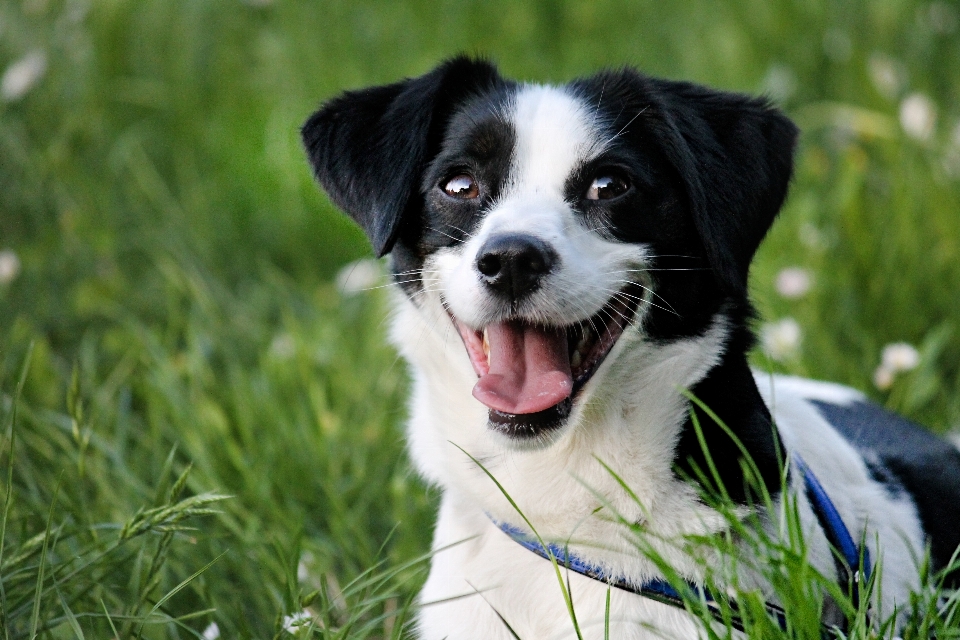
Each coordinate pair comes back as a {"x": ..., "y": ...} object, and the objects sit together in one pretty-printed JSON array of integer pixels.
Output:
[
  {"x": 462, "y": 187},
  {"x": 607, "y": 186}
]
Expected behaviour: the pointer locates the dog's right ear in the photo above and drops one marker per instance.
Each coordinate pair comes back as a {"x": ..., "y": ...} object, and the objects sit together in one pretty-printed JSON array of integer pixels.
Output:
[{"x": 369, "y": 147}]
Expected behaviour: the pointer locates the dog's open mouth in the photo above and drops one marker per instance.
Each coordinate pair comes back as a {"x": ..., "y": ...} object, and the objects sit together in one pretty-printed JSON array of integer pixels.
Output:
[{"x": 530, "y": 375}]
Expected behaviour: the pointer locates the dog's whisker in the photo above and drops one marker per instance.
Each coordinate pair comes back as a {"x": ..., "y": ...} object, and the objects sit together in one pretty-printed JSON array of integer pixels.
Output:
[
  {"x": 583, "y": 230},
  {"x": 589, "y": 316},
  {"x": 609, "y": 314},
  {"x": 624, "y": 128},
  {"x": 385, "y": 286},
  {"x": 596, "y": 110},
  {"x": 677, "y": 255},
  {"x": 466, "y": 233},
  {"x": 658, "y": 269},
  {"x": 391, "y": 284},
  {"x": 619, "y": 293},
  {"x": 651, "y": 292},
  {"x": 443, "y": 233},
  {"x": 455, "y": 228}
]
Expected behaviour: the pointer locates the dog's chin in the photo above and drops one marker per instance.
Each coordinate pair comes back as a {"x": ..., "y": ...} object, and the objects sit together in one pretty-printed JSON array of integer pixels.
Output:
[{"x": 588, "y": 343}]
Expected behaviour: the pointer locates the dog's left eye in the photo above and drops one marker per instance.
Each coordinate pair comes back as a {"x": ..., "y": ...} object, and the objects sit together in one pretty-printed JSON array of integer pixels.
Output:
[
  {"x": 462, "y": 187},
  {"x": 607, "y": 186}
]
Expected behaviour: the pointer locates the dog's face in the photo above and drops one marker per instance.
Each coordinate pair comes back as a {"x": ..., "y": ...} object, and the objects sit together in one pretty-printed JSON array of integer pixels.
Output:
[{"x": 553, "y": 225}]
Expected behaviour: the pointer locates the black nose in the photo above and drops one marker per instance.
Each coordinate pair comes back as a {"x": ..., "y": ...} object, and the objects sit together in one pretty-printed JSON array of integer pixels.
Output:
[{"x": 514, "y": 264}]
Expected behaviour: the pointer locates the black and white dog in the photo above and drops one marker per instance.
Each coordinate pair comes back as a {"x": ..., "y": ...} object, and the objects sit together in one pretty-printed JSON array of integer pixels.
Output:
[{"x": 568, "y": 260}]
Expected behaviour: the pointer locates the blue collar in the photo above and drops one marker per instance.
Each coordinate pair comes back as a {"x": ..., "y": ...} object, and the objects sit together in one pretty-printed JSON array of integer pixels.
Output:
[{"x": 853, "y": 561}]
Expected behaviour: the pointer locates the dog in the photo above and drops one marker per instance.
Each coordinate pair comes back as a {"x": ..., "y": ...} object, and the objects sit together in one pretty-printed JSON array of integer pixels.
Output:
[{"x": 571, "y": 296}]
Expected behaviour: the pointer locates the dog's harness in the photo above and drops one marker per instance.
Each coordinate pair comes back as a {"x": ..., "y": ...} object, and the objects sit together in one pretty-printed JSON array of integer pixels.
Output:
[{"x": 853, "y": 560}]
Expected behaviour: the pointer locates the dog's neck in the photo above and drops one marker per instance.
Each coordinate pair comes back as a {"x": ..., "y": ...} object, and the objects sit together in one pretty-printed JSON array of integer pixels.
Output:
[{"x": 730, "y": 393}]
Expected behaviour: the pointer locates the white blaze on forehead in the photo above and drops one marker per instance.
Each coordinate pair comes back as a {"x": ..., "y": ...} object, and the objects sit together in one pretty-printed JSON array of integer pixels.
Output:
[{"x": 555, "y": 132}]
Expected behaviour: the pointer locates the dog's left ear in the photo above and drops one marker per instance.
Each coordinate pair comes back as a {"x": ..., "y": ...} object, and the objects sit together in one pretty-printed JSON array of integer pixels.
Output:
[
  {"x": 369, "y": 147},
  {"x": 736, "y": 155}
]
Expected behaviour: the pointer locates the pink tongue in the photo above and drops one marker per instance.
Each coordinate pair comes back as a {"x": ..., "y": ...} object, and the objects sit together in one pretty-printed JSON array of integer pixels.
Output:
[{"x": 529, "y": 369}]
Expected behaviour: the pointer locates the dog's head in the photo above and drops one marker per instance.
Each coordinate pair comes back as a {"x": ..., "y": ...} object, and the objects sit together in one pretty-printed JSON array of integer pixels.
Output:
[{"x": 551, "y": 221}]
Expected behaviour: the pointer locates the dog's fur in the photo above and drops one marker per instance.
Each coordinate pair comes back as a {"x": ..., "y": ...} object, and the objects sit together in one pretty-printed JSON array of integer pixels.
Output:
[{"x": 705, "y": 174}]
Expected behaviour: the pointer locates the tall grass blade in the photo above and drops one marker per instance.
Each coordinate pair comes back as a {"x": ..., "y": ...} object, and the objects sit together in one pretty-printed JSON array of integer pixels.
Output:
[
  {"x": 71, "y": 618},
  {"x": 106, "y": 613},
  {"x": 35, "y": 616},
  {"x": 176, "y": 590}
]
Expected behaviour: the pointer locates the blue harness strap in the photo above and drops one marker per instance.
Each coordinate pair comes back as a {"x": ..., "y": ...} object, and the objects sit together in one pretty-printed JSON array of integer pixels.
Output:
[
  {"x": 662, "y": 591},
  {"x": 837, "y": 533},
  {"x": 656, "y": 589}
]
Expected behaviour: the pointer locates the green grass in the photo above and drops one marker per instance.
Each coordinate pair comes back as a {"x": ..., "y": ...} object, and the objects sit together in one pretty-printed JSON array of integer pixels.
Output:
[{"x": 185, "y": 339}]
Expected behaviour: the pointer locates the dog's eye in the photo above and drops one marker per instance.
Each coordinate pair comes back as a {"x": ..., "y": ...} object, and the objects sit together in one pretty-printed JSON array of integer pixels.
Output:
[
  {"x": 462, "y": 186},
  {"x": 607, "y": 186}
]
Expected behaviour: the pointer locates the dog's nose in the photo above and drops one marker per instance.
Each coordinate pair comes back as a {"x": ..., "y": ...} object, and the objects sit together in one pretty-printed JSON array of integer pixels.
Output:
[{"x": 514, "y": 264}]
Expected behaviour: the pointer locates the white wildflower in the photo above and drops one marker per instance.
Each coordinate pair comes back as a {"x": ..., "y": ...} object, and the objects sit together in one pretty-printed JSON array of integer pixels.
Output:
[
  {"x": 888, "y": 75},
  {"x": 283, "y": 346},
  {"x": 212, "y": 632},
  {"x": 918, "y": 116},
  {"x": 292, "y": 623},
  {"x": 793, "y": 282},
  {"x": 358, "y": 276},
  {"x": 9, "y": 266},
  {"x": 896, "y": 357},
  {"x": 900, "y": 356},
  {"x": 883, "y": 378},
  {"x": 23, "y": 75},
  {"x": 781, "y": 340},
  {"x": 303, "y": 567}
]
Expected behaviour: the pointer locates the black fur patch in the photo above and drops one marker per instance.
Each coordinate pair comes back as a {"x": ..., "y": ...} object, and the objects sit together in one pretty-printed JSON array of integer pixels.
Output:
[
  {"x": 478, "y": 141},
  {"x": 882, "y": 475},
  {"x": 730, "y": 392},
  {"x": 710, "y": 171},
  {"x": 732, "y": 153}
]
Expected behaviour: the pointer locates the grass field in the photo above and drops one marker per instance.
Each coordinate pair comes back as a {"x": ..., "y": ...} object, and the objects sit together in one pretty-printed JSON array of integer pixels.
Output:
[{"x": 202, "y": 435}]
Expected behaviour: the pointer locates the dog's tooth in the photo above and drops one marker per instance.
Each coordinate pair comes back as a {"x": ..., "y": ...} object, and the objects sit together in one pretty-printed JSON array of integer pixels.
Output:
[
  {"x": 575, "y": 360},
  {"x": 486, "y": 345},
  {"x": 584, "y": 341}
]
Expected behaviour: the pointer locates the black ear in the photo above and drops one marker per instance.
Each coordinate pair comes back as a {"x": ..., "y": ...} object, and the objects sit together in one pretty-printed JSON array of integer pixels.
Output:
[
  {"x": 369, "y": 147},
  {"x": 736, "y": 155}
]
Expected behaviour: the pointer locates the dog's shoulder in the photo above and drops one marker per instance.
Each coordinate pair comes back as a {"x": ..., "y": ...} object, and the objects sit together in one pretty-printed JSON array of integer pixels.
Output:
[
  {"x": 908, "y": 460},
  {"x": 868, "y": 427}
]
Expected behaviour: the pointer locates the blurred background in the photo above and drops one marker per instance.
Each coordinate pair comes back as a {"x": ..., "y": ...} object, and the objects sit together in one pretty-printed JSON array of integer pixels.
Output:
[{"x": 182, "y": 313}]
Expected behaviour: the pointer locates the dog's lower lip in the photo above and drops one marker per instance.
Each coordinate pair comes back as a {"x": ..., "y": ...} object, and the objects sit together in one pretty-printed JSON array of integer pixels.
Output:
[
  {"x": 530, "y": 424},
  {"x": 589, "y": 343}
]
